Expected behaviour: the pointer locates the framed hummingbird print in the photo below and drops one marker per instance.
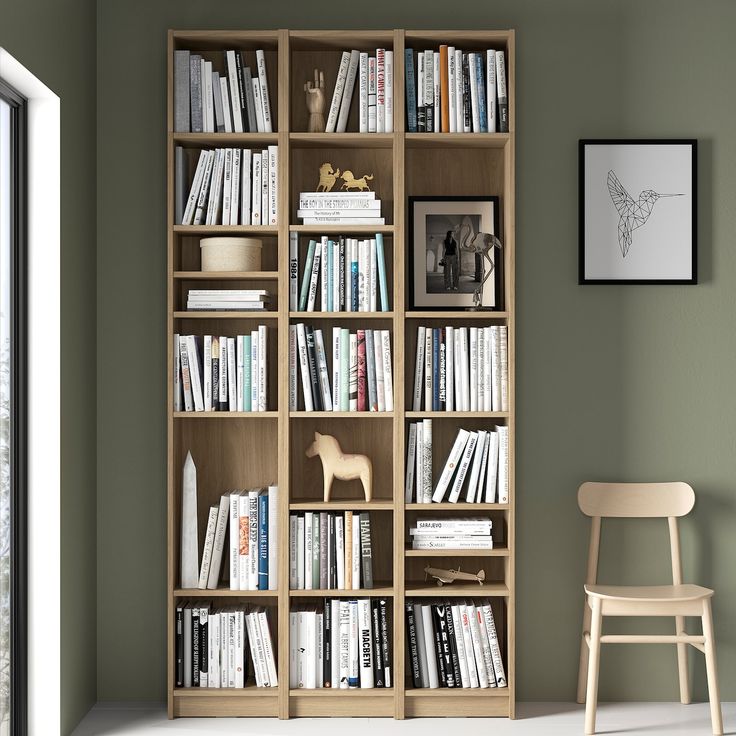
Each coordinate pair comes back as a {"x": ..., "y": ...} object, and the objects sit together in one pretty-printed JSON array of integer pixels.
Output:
[{"x": 638, "y": 211}]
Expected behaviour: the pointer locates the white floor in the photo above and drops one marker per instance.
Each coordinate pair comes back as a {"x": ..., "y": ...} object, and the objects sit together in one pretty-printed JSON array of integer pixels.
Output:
[{"x": 545, "y": 719}]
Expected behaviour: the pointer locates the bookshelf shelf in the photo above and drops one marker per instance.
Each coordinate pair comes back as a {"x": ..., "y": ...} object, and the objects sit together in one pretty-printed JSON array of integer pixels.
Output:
[{"x": 235, "y": 450}]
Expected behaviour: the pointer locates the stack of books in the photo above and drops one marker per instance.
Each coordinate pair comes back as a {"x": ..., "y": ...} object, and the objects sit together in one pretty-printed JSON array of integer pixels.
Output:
[
  {"x": 453, "y": 644},
  {"x": 220, "y": 647},
  {"x": 342, "y": 644},
  {"x": 362, "y": 372},
  {"x": 461, "y": 369},
  {"x": 477, "y": 466},
  {"x": 330, "y": 550},
  {"x": 228, "y": 300},
  {"x": 452, "y": 533},
  {"x": 375, "y": 78},
  {"x": 232, "y": 101},
  {"x": 339, "y": 275},
  {"x": 222, "y": 373},
  {"x": 449, "y": 91},
  {"x": 340, "y": 208},
  {"x": 230, "y": 186}
]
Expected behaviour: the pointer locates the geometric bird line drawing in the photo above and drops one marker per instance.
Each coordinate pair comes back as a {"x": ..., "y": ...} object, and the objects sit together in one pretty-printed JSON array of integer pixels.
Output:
[{"x": 632, "y": 214}]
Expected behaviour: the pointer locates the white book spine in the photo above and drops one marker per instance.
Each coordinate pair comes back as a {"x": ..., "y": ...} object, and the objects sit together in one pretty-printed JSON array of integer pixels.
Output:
[
  {"x": 492, "y": 468},
  {"x": 195, "y": 189},
  {"x": 427, "y": 460},
  {"x": 273, "y": 184},
  {"x": 347, "y": 95},
  {"x": 420, "y": 87},
  {"x": 244, "y": 526},
  {"x": 262, "y": 368},
  {"x": 377, "y": 358},
  {"x": 232, "y": 74},
  {"x": 324, "y": 273},
  {"x": 463, "y": 469},
  {"x": 273, "y": 680},
  {"x": 254, "y": 353},
  {"x": 437, "y": 122},
  {"x": 293, "y": 649},
  {"x": 227, "y": 186},
  {"x": 209, "y": 544},
  {"x": 455, "y": 456},
  {"x": 480, "y": 449},
  {"x": 265, "y": 97},
  {"x": 365, "y": 643},
  {"x": 304, "y": 365},
  {"x": 428, "y": 366},
  {"x": 477, "y": 646},
  {"x": 209, "y": 108},
  {"x": 372, "y": 94},
  {"x": 336, "y": 368},
  {"x": 235, "y": 187},
  {"x": 214, "y": 203},
  {"x": 419, "y": 369},
  {"x": 337, "y": 93},
  {"x": 194, "y": 373},
  {"x": 410, "y": 461},
  {"x": 449, "y": 368},
  {"x": 485, "y": 646},
  {"x": 308, "y": 542},
  {"x": 222, "y": 523},
  {"x": 235, "y": 540},
  {"x": 355, "y": 553},
  {"x": 213, "y": 649},
  {"x": 491, "y": 90},
  {"x": 300, "y": 572},
  {"x": 480, "y": 490},
  {"x": 380, "y": 90},
  {"x": 324, "y": 375},
  {"x": 293, "y": 272},
  {"x": 428, "y": 629},
  {"x": 340, "y": 551},
  {"x": 373, "y": 276},
  {"x": 363, "y": 275},
  {"x": 344, "y": 650},
  {"x": 334, "y": 610},
  {"x": 474, "y": 110},
  {"x": 468, "y": 643},
  {"x": 459, "y": 110},
  {"x": 503, "y": 464},
  {"x": 389, "y": 76},
  {"x": 273, "y": 537},
  {"x": 226, "y": 112},
  {"x": 265, "y": 179},
  {"x": 363, "y": 88},
  {"x": 353, "y": 647},
  {"x": 207, "y": 373},
  {"x": 498, "y": 668},
  {"x": 495, "y": 369},
  {"x": 473, "y": 386},
  {"x": 460, "y": 646},
  {"x": 201, "y": 208},
  {"x": 481, "y": 368},
  {"x": 238, "y": 628},
  {"x": 293, "y": 378},
  {"x": 314, "y": 278},
  {"x": 246, "y": 167},
  {"x": 388, "y": 381},
  {"x": 465, "y": 376},
  {"x": 231, "y": 375},
  {"x": 256, "y": 189},
  {"x": 429, "y": 87},
  {"x": 451, "y": 88},
  {"x": 487, "y": 372},
  {"x": 503, "y": 353},
  {"x": 293, "y": 518},
  {"x": 419, "y": 474}
]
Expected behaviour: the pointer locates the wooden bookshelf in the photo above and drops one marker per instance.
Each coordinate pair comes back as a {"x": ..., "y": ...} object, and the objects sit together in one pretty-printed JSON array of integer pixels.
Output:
[{"x": 240, "y": 450}]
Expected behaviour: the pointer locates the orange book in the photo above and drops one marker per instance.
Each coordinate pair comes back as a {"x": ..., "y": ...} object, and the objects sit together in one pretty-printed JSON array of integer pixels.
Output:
[{"x": 444, "y": 90}]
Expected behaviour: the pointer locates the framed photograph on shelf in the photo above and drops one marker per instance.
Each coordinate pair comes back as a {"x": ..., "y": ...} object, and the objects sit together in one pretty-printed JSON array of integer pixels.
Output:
[
  {"x": 444, "y": 267},
  {"x": 638, "y": 212}
]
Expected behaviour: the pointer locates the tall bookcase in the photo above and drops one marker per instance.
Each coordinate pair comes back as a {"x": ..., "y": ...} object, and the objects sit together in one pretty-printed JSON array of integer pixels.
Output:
[{"x": 241, "y": 450}]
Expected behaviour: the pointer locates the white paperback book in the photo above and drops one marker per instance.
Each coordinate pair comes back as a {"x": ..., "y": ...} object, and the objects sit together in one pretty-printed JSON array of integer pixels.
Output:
[
  {"x": 477, "y": 646},
  {"x": 492, "y": 467},
  {"x": 451, "y": 88},
  {"x": 300, "y": 572},
  {"x": 459, "y": 110},
  {"x": 336, "y": 378},
  {"x": 262, "y": 367},
  {"x": 314, "y": 278},
  {"x": 463, "y": 468},
  {"x": 460, "y": 646},
  {"x": 378, "y": 366},
  {"x": 235, "y": 540},
  {"x": 265, "y": 97},
  {"x": 419, "y": 369},
  {"x": 273, "y": 537},
  {"x": 389, "y": 116},
  {"x": 491, "y": 90},
  {"x": 273, "y": 185},
  {"x": 437, "y": 123},
  {"x": 388, "y": 383},
  {"x": 427, "y": 461},
  {"x": 428, "y": 370},
  {"x": 232, "y": 75},
  {"x": 246, "y": 168},
  {"x": 340, "y": 551},
  {"x": 473, "y": 386},
  {"x": 365, "y": 643},
  {"x": 308, "y": 542},
  {"x": 322, "y": 370},
  {"x": 355, "y": 553},
  {"x": 293, "y": 378},
  {"x": 498, "y": 668},
  {"x": 434, "y": 681},
  {"x": 373, "y": 276},
  {"x": 209, "y": 544},
  {"x": 363, "y": 89},
  {"x": 320, "y": 648},
  {"x": 200, "y": 211},
  {"x": 265, "y": 178},
  {"x": 410, "y": 463},
  {"x": 481, "y": 368},
  {"x": 227, "y": 114},
  {"x": 419, "y": 474},
  {"x": 495, "y": 369},
  {"x": 292, "y": 551},
  {"x": 344, "y": 650},
  {"x": 380, "y": 90},
  {"x": 347, "y": 95},
  {"x": 222, "y": 521},
  {"x": 342, "y": 73},
  {"x": 324, "y": 273},
  {"x": 209, "y": 110},
  {"x": 304, "y": 365},
  {"x": 487, "y": 371},
  {"x": 503, "y": 464},
  {"x": 227, "y": 187},
  {"x": 256, "y": 86},
  {"x": 223, "y": 377},
  {"x": 453, "y": 459},
  {"x": 485, "y": 646},
  {"x": 293, "y": 649},
  {"x": 254, "y": 356},
  {"x": 449, "y": 368},
  {"x": 503, "y": 360},
  {"x": 353, "y": 647},
  {"x": 207, "y": 373},
  {"x": 256, "y": 189},
  {"x": 372, "y": 124},
  {"x": 244, "y": 526},
  {"x": 335, "y": 640},
  {"x": 468, "y": 644},
  {"x": 235, "y": 187},
  {"x": 478, "y": 455}
]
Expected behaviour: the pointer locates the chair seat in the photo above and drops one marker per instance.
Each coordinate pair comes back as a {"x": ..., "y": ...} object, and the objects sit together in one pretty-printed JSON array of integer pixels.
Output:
[{"x": 649, "y": 593}]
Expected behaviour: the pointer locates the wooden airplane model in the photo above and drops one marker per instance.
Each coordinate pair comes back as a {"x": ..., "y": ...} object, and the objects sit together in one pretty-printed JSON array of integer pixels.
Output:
[{"x": 450, "y": 576}]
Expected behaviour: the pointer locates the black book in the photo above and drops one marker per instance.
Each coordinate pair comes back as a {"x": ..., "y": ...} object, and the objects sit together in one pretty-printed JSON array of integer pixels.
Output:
[
  {"x": 179, "y": 646},
  {"x": 467, "y": 110},
  {"x": 365, "y": 549},
  {"x": 439, "y": 649},
  {"x": 411, "y": 645},
  {"x": 342, "y": 272},
  {"x": 332, "y": 551},
  {"x": 453, "y": 645},
  {"x": 327, "y": 645},
  {"x": 313, "y": 370},
  {"x": 379, "y": 678},
  {"x": 203, "y": 650},
  {"x": 241, "y": 91},
  {"x": 444, "y": 633},
  {"x": 421, "y": 119},
  {"x": 195, "y": 647},
  {"x": 385, "y": 646}
]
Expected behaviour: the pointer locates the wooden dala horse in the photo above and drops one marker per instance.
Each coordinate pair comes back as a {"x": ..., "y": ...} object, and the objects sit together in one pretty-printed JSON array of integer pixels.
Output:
[{"x": 340, "y": 465}]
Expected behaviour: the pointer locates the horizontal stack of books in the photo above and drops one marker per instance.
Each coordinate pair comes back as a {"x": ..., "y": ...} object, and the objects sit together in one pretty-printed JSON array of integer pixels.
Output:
[
  {"x": 449, "y": 91},
  {"x": 375, "y": 77},
  {"x": 348, "y": 274},
  {"x": 461, "y": 369},
  {"x": 230, "y": 186},
  {"x": 228, "y": 300},
  {"x": 342, "y": 644},
  {"x": 453, "y": 644},
  {"x": 340, "y": 208},
  {"x": 362, "y": 372},
  {"x": 233, "y": 100},
  {"x": 220, "y": 646},
  {"x": 452, "y": 533},
  {"x": 223, "y": 373},
  {"x": 330, "y": 550},
  {"x": 478, "y": 465}
]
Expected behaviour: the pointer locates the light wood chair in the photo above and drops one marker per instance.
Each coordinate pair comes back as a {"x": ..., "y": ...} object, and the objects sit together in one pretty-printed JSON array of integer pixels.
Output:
[{"x": 642, "y": 500}]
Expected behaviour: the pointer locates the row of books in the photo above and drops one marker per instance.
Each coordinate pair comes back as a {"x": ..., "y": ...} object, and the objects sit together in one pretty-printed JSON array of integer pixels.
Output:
[
  {"x": 228, "y": 300},
  {"x": 223, "y": 373},
  {"x": 375, "y": 77},
  {"x": 341, "y": 208},
  {"x": 453, "y": 644},
  {"x": 231, "y": 186},
  {"x": 456, "y": 92},
  {"x": 341, "y": 644},
  {"x": 362, "y": 373},
  {"x": 348, "y": 274},
  {"x": 478, "y": 465},
  {"x": 330, "y": 551},
  {"x": 461, "y": 369},
  {"x": 234, "y": 101},
  {"x": 220, "y": 646},
  {"x": 452, "y": 533}
]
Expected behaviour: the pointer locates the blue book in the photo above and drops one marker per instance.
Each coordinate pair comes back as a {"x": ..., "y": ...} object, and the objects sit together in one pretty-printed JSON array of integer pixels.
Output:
[
  {"x": 246, "y": 373},
  {"x": 263, "y": 541},
  {"x": 303, "y": 296},
  {"x": 411, "y": 91},
  {"x": 330, "y": 275},
  {"x": 479, "y": 74},
  {"x": 435, "y": 369},
  {"x": 341, "y": 271},
  {"x": 381, "y": 258},
  {"x": 354, "y": 286}
]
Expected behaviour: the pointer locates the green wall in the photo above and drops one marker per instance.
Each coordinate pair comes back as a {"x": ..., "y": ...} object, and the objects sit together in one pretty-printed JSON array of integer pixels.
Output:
[
  {"x": 632, "y": 383},
  {"x": 56, "y": 40}
]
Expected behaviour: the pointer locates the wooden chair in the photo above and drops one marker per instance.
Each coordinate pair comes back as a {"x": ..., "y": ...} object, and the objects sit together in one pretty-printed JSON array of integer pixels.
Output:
[{"x": 642, "y": 500}]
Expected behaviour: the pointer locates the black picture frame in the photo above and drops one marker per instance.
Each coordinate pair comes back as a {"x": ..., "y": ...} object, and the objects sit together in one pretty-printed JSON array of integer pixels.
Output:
[
  {"x": 498, "y": 261},
  {"x": 692, "y": 143}
]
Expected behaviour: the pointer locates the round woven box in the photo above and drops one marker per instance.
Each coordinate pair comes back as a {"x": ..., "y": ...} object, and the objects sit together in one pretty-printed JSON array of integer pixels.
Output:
[{"x": 231, "y": 254}]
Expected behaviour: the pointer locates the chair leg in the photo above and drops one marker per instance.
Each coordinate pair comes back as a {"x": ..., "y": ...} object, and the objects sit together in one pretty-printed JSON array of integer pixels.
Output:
[
  {"x": 710, "y": 667},
  {"x": 591, "y": 699},
  {"x": 682, "y": 662},
  {"x": 584, "y": 652}
]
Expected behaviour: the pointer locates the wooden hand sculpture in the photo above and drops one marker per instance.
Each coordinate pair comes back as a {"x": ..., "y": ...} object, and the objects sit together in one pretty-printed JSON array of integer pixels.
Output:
[
  {"x": 315, "y": 97},
  {"x": 340, "y": 465}
]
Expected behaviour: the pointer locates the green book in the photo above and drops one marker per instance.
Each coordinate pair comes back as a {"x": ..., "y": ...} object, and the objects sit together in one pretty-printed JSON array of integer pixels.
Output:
[{"x": 304, "y": 294}]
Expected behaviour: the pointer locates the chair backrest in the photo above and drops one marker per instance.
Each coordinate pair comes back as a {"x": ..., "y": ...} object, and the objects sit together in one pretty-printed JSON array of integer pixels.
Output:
[{"x": 635, "y": 500}]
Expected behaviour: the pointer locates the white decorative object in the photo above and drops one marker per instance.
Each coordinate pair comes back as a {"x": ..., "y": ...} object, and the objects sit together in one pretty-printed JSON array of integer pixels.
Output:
[
  {"x": 340, "y": 465},
  {"x": 189, "y": 542},
  {"x": 231, "y": 254}
]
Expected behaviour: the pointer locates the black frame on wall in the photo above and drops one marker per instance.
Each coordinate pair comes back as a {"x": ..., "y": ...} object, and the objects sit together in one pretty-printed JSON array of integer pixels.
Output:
[{"x": 18, "y": 413}]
